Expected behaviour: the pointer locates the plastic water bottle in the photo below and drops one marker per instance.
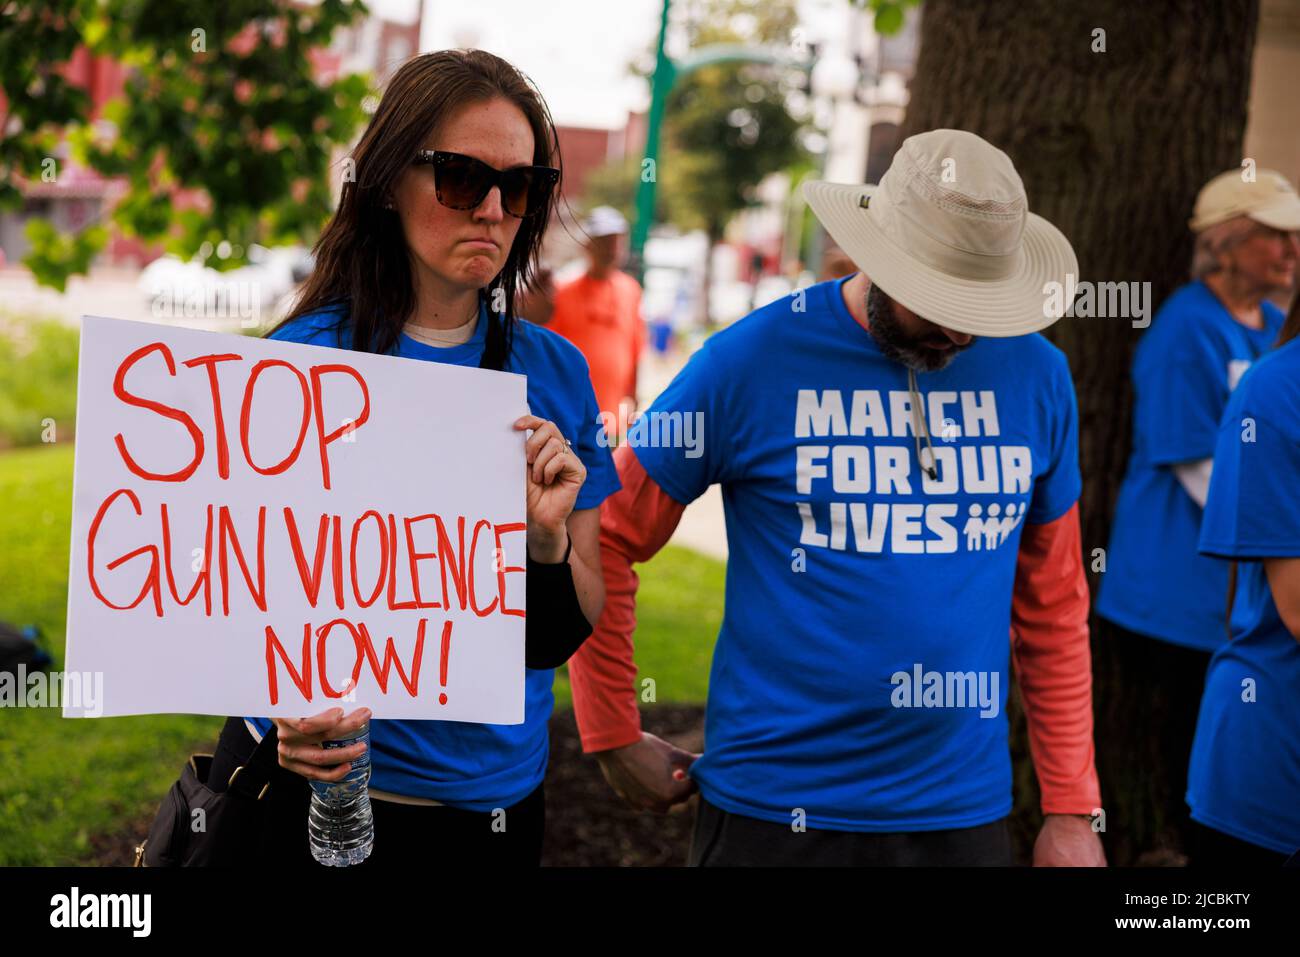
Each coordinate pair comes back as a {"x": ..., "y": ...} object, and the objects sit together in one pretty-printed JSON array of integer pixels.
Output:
[{"x": 340, "y": 826}]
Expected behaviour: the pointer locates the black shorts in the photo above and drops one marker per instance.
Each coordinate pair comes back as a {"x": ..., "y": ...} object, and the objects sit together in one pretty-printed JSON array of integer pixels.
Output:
[{"x": 723, "y": 839}]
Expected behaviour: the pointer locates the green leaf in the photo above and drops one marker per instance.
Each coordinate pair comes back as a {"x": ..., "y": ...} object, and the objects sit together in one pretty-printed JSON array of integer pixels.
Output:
[
  {"x": 889, "y": 18},
  {"x": 54, "y": 257}
]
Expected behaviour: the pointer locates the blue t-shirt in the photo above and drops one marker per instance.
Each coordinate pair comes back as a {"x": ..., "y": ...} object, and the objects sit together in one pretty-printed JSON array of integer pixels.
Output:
[
  {"x": 1244, "y": 778},
  {"x": 1185, "y": 368},
  {"x": 850, "y": 576},
  {"x": 484, "y": 766}
]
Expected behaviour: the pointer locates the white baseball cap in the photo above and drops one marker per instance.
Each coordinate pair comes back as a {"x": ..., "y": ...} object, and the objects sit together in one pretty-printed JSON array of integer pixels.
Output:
[
  {"x": 604, "y": 221},
  {"x": 1266, "y": 198},
  {"x": 948, "y": 233}
]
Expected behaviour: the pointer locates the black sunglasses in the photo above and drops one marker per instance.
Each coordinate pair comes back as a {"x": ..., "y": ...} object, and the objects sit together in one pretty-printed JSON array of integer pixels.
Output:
[{"x": 462, "y": 182}]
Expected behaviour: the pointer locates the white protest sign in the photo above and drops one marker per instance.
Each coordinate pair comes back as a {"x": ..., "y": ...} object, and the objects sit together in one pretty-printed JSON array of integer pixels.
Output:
[{"x": 269, "y": 528}]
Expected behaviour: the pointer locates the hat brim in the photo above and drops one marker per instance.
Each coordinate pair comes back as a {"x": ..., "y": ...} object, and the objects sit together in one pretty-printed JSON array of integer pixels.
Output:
[
  {"x": 1284, "y": 214},
  {"x": 1014, "y": 305},
  {"x": 1281, "y": 215}
]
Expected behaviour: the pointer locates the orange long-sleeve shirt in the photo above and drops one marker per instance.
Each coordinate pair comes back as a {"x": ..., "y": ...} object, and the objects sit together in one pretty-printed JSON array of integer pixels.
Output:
[
  {"x": 1049, "y": 639},
  {"x": 602, "y": 317}
]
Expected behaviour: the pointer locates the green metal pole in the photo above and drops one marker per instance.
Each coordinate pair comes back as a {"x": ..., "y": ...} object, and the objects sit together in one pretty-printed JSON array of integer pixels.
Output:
[{"x": 664, "y": 76}]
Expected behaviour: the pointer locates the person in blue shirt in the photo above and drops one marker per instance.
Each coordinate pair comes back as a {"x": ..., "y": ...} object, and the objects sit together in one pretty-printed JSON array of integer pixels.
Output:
[
  {"x": 1164, "y": 599},
  {"x": 442, "y": 224},
  {"x": 1244, "y": 781},
  {"x": 897, "y": 452}
]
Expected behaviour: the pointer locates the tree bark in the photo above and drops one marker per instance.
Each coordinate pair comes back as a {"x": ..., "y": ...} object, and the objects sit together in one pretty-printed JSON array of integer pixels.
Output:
[{"x": 1112, "y": 147}]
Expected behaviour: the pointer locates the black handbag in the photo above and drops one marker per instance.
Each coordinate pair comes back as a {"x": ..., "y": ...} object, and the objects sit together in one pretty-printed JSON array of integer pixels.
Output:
[{"x": 198, "y": 827}]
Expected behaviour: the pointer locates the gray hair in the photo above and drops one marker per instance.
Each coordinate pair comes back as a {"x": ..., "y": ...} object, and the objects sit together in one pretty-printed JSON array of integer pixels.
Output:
[{"x": 1214, "y": 241}]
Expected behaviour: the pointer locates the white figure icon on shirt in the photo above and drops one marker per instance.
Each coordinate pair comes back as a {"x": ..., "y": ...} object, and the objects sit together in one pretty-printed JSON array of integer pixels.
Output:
[
  {"x": 989, "y": 533},
  {"x": 973, "y": 529}
]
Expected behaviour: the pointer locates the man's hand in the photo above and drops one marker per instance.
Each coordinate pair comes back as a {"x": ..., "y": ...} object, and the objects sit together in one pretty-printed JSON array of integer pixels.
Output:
[
  {"x": 1068, "y": 840},
  {"x": 650, "y": 775}
]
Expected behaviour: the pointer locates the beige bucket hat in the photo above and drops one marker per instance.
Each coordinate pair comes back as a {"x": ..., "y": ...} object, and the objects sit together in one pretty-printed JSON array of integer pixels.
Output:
[{"x": 948, "y": 233}]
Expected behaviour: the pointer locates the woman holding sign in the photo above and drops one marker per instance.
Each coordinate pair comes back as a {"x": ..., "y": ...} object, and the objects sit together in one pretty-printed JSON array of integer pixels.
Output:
[{"x": 440, "y": 227}]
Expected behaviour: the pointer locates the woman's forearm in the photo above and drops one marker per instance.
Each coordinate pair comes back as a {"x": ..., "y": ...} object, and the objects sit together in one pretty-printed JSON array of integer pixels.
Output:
[
  {"x": 584, "y": 559},
  {"x": 590, "y": 585}
]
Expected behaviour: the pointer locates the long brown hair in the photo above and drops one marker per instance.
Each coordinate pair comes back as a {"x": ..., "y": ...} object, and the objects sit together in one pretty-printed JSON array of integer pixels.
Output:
[{"x": 362, "y": 261}]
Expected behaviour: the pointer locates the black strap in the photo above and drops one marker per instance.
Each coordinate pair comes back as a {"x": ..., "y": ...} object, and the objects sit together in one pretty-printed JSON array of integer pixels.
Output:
[
  {"x": 556, "y": 626},
  {"x": 251, "y": 779}
]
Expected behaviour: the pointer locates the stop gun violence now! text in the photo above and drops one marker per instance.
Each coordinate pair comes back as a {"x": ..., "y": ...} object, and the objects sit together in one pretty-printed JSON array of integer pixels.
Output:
[{"x": 425, "y": 561}]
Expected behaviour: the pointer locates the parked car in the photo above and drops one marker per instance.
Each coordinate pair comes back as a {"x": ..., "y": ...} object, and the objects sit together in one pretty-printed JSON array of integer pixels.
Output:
[{"x": 248, "y": 297}]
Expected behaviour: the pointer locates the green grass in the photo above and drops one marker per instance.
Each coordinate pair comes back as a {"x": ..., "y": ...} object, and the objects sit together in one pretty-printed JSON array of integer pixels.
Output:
[
  {"x": 65, "y": 781},
  {"x": 38, "y": 366},
  {"x": 679, "y": 611}
]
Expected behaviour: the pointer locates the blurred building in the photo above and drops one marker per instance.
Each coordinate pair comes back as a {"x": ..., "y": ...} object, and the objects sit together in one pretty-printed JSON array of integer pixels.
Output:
[
  {"x": 584, "y": 149},
  {"x": 78, "y": 197},
  {"x": 75, "y": 197}
]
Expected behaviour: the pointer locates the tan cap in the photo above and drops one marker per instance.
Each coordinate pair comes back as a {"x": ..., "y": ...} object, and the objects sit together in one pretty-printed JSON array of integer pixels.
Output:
[{"x": 1267, "y": 199}]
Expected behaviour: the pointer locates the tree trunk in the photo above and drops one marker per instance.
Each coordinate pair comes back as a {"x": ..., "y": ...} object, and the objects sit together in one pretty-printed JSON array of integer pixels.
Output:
[{"x": 1112, "y": 147}]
